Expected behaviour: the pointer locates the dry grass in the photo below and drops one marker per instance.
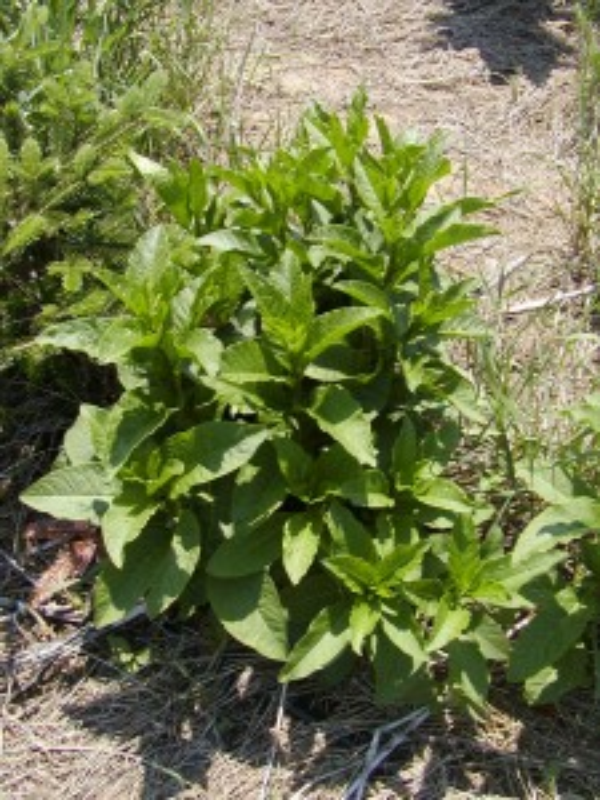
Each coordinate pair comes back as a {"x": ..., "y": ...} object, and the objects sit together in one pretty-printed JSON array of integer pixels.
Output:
[
  {"x": 499, "y": 80},
  {"x": 196, "y": 725}
]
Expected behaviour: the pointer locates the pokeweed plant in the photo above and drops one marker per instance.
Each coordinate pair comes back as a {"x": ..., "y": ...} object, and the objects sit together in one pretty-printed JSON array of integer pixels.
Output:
[{"x": 283, "y": 448}]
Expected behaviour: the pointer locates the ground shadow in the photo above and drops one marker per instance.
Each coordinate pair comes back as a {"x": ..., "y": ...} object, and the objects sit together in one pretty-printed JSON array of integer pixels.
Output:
[
  {"x": 193, "y": 713},
  {"x": 512, "y": 36},
  {"x": 205, "y": 724}
]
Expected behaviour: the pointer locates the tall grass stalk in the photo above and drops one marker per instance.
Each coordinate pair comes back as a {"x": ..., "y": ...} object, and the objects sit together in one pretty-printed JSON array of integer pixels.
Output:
[{"x": 587, "y": 218}]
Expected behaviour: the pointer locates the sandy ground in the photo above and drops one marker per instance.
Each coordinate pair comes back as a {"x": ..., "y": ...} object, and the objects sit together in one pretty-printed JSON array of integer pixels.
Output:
[{"x": 498, "y": 80}]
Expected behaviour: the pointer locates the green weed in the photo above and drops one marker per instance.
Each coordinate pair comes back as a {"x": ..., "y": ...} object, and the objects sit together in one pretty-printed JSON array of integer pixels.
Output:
[{"x": 283, "y": 448}]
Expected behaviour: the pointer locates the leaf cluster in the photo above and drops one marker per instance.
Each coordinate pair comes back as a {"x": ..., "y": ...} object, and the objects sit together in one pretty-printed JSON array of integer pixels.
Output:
[
  {"x": 73, "y": 101},
  {"x": 283, "y": 448}
]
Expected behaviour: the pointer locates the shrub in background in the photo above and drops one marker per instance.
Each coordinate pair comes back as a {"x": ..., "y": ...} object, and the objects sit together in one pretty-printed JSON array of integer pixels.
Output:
[
  {"x": 67, "y": 193},
  {"x": 283, "y": 448},
  {"x": 81, "y": 83}
]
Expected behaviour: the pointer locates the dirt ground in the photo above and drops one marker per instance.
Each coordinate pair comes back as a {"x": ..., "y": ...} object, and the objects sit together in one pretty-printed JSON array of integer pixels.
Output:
[{"x": 498, "y": 79}]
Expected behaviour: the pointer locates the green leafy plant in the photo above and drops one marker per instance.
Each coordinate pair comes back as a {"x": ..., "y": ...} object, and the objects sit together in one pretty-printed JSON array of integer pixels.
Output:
[
  {"x": 560, "y": 649},
  {"x": 78, "y": 90},
  {"x": 283, "y": 449}
]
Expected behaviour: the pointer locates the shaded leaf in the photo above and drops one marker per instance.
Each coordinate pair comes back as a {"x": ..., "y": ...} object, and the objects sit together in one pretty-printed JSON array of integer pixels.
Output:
[
  {"x": 337, "y": 413},
  {"x": 249, "y": 551},
  {"x": 332, "y": 328},
  {"x": 250, "y": 610},
  {"x": 211, "y": 450},
  {"x": 125, "y": 519},
  {"x": 326, "y": 639}
]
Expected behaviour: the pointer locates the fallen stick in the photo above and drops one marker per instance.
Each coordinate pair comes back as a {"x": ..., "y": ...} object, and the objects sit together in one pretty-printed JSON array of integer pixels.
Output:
[
  {"x": 376, "y": 755},
  {"x": 542, "y": 302}
]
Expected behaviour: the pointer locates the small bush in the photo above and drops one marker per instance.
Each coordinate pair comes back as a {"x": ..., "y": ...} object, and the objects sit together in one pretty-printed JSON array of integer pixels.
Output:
[
  {"x": 78, "y": 90},
  {"x": 283, "y": 447}
]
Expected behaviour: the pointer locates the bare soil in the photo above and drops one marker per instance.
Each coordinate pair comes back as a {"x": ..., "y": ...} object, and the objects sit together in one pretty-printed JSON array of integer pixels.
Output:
[{"x": 498, "y": 79}]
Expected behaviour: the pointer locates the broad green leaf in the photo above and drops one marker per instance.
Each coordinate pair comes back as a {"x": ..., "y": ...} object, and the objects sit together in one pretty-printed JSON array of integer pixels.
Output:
[
  {"x": 151, "y": 277},
  {"x": 80, "y": 492},
  {"x": 492, "y": 594},
  {"x": 458, "y": 233},
  {"x": 104, "y": 339},
  {"x": 356, "y": 574},
  {"x": 405, "y": 455},
  {"x": 587, "y": 413},
  {"x": 463, "y": 397},
  {"x": 548, "y": 686},
  {"x": 78, "y": 443},
  {"x": 249, "y": 551},
  {"x": 296, "y": 466},
  {"x": 211, "y": 450},
  {"x": 130, "y": 422},
  {"x": 402, "y": 632},
  {"x": 327, "y": 637},
  {"x": 345, "y": 244},
  {"x": 401, "y": 562},
  {"x": 259, "y": 488},
  {"x": 177, "y": 565},
  {"x": 203, "y": 347},
  {"x": 301, "y": 538},
  {"x": 464, "y": 557},
  {"x": 337, "y": 413},
  {"x": 341, "y": 363},
  {"x": 469, "y": 675},
  {"x": 397, "y": 676},
  {"x": 557, "y": 525},
  {"x": 230, "y": 240},
  {"x": 443, "y": 494},
  {"x": 149, "y": 169},
  {"x": 158, "y": 566},
  {"x": 366, "y": 187},
  {"x": 490, "y": 639},
  {"x": 285, "y": 304},
  {"x": 449, "y": 624},
  {"x": 367, "y": 293},
  {"x": 348, "y": 534},
  {"x": 548, "y": 481},
  {"x": 334, "y": 468},
  {"x": 370, "y": 489},
  {"x": 364, "y": 618},
  {"x": 250, "y": 610},
  {"x": 125, "y": 519},
  {"x": 336, "y": 473},
  {"x": 557, "y": 626},
  {"x": 515, "y": 576},
  {"x": 251, "y": 361},
  {"x": 332, "y": 328}
]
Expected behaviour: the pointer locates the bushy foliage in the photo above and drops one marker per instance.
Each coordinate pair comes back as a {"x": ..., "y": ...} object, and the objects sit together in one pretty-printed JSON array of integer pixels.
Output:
[
  {"x": 283, "y": 449},
  {"x": 71, "y": 105}
]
